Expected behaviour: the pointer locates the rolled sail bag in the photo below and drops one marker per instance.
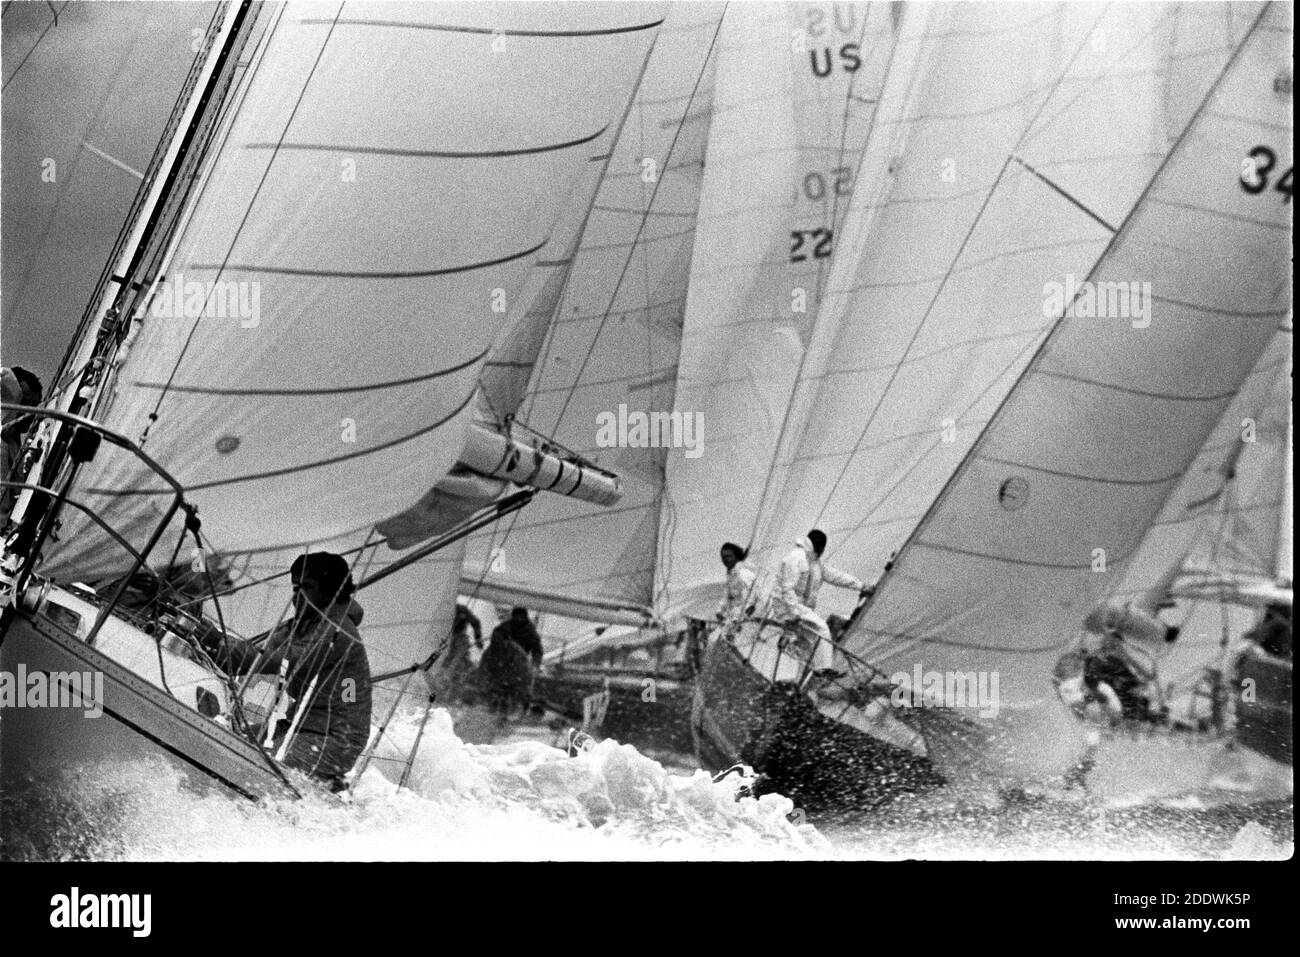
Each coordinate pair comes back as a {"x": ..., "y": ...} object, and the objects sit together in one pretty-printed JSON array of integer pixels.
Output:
[{"x": 1130, "y": 623}]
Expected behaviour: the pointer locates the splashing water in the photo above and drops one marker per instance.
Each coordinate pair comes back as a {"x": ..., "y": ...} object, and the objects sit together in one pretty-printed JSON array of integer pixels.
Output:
[
  {"x": 521, "y": 801},
  {"x": 526, "y": 800}
]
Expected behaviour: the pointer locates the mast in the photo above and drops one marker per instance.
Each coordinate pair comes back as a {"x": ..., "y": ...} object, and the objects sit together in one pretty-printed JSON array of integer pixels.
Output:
[
  {"x": 83, "y": 372},
  {"x": 202, "y": 92}
]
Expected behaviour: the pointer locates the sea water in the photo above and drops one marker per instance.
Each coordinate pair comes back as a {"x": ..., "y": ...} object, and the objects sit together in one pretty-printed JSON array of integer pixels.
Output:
[{"x": 526, "y": 800}]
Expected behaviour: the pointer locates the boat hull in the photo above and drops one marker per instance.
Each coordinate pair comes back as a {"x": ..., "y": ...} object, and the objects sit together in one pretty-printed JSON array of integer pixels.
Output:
[
  {"x": 1264, "y": 715},
  {"x": 740, "y": 717},
  {"x": 646, "y": 711},
  {"x": 44, "y": 751}
]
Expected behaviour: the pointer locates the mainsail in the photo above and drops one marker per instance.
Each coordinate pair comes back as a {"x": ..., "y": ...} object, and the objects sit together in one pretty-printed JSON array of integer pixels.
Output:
[
  {"x": 384, "y": 174},
  {"x": 977, "y": 135},
  {"x": 600, "y": 343},
  {"x": 797, "y": 90},
  {"x": 1051, "y": 504}
]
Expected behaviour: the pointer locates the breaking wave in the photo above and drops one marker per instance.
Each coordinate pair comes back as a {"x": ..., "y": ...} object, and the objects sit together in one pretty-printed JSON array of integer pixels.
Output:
[{"x": 526, "y": 800}]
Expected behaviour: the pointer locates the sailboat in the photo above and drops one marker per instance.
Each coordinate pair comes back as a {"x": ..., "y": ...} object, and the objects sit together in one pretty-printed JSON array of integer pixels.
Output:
[
  {"x": 760, "y": 114},
  {"x": 1002, "y": 468},
  {"x": 1214, "y": 566},
  {"x": 592, "y": 364},
  {"x": 283, "y": 354}
]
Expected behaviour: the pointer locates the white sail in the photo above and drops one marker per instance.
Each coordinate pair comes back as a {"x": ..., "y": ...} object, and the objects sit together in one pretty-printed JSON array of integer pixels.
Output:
[
  {"x": 980, "y": 131},
  {"x": 1225, "y": 520},
  {"x": 796, "y": 93},
  {"x": 1048, "y": 508},
  {"x": 77, "y": 143},
  {"x": 387, "y": 172},
  {"x": 610, "y": 354},
  {"x": 1213, "y": 551}
]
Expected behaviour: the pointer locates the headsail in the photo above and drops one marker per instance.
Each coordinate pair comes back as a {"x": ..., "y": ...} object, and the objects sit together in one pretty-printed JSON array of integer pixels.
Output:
[
  {"x": 1214, "y": 549},
  {"x": 610, "y": 354},
  {"x": 976, "y": 137},
  {"x": 386, "y": 172},
  {"x": 796, "y": 94},
  {"x": 1053, "y": 500}
]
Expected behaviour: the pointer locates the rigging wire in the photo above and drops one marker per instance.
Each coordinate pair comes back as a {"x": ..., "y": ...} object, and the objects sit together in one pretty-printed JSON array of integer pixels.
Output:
[
  {"x": 1027, "y": 137},
  {"x": 62, "y": 377},
  {"x": 49, "y": 26}
]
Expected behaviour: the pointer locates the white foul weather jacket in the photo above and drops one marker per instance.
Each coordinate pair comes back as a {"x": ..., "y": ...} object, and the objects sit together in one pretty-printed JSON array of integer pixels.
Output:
[
  {"x": 800, "y": 578},
  {"x": 740, "y": 591}
]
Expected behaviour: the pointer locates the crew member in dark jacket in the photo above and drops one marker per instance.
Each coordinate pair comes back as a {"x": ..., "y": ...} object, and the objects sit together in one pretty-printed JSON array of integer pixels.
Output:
[
  {"x": 513, "y": 652},
  {"x": 327, "y": 674},
  {"x": 519, "y": 629}
]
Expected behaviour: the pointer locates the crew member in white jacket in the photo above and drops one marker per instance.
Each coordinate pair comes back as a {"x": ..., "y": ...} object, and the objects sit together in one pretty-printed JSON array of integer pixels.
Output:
[
  {"x": 739, "y": 594},
  {"x": 798, "y": 581}
]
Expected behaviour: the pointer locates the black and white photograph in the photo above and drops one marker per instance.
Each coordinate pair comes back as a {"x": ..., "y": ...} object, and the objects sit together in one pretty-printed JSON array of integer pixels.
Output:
[{"x": 647, "y": 431}]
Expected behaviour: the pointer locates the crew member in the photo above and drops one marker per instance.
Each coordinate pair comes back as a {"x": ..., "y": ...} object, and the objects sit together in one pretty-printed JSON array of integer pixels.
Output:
[
  {"x": 327, "y": 673},
  {"x": 1112, "y": 676},
  {"x": 465, "y": 629},
  {"x": 798, "y": 581},
  {"x": 738, "y": 594},
  {"x": 519, "y": 629},
  {"x": 513, "y": 652}
]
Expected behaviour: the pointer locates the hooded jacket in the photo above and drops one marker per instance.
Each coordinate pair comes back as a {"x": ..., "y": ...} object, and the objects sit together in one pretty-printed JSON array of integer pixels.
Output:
[
  {"x": 800, "y": 578},
  {"x": 324, "y": 647}
]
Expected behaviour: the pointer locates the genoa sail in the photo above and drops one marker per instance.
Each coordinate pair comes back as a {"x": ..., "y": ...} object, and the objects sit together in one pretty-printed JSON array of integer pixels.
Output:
[
  {"x": 1052, "y": 502},
  {"x": 1213, "y": 552},
  {"x": 601, "y": 378},
  {"x": 313, "y": 341},
  {"x": 976, "y": 135},
  {"x": 797, "y": 90}
]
